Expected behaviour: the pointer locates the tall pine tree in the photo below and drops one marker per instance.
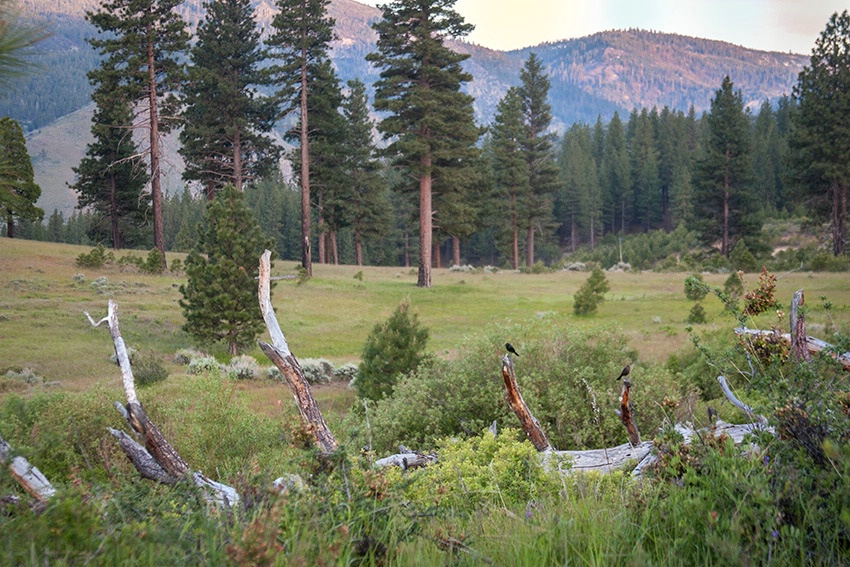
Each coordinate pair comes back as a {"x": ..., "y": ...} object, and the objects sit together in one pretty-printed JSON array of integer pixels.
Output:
[
  {"x": 821, "y": 133},
  {"x": 724, "y": 204},
  {"x": 18, "y": 191},
  {"x": 428, "y": 118},
  {"x": 537, "y": 148},
  {"x": 220, "y": 298},
  {"x": 109, "y": 179},
  {"x": 510, "y": 170},
  {"x": 223, "y": 137},
  {"x": 300, "y": 42},
  {"x": 368, "y": 203},
  {"x": 145, "y": 40}
]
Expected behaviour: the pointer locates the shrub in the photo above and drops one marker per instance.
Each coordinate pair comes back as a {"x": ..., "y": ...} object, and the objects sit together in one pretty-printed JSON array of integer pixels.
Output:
[
  {"x": 148, "y": 369},
  {"x": 734, "y": 285},
  {"x": 591, "y": 294},
  {"x": 566, "y": 376},
  {"x": 203, "y": 365},
  {"x": 131, "y": 354},
  {"x": 243, "y": 367},
  {"x": 695, "y": 288},
  {"x": 154, "y": 262},
  {"x": 346, "y": 373},
  {"x": 394, "y": 347},
  {"x": 185, "y": 355},
  {"x": 742, "y": 259},
  {"x": 317, "y": 371},
  {"x": 697, "y": 314},
  {"x": 826, "y": 262},
  {"x": 96, "y": 258}
]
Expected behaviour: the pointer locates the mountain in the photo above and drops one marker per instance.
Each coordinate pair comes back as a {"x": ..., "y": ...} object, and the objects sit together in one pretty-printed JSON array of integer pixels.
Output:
[{"x": 597, "y": 75}]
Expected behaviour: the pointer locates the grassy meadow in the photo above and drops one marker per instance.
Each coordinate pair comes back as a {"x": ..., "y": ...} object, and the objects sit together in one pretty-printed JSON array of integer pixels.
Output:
[{"x": 486, "y": 503}]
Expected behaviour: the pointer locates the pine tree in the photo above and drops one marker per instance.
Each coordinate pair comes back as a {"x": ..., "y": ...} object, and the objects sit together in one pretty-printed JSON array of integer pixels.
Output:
[
  {"x": 109, "y": 180},
  {"x": 537, "y": 144},
  {"x": 510, "y": 169},
  {"x": 300, "y": 42},
  {"x": 725, "y": 208},
  {"x": 18, "y": 37},
  {"x": 821, "y": 133},
  {"x": 329, "y": 188},
  {"x": 220, "y": 298},
  {"x": 616, "y": 175},
  {"x": 18, "y": 191},
  {"x": 145, "y": 39},
  {"x": 429, "y": 119},
  {"x": 393, "y": 348},
  {"x": 369, "y": 204},
  {"x": 223, "y": 139},
  {"x": 646, "y": 185},
  {"x": 579, "y": 201}
]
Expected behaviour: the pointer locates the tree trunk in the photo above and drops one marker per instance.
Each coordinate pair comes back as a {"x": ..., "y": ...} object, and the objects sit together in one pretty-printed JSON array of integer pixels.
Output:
[
  {"x": 237, "y": 162},
  {"x": 358, "y": 248},
  {"x": 438, "y": 258},
  {"x": 425, "y": 223},
  {"x": 529, "y": 260},
  {"x": 279, "y": 353},
  {"x": 29, "y": 477},
  {"x": 10, "y": 225},
  {"x": 799, "y": 348},
  {"x": 306, "y": 259},
  {"x": 514, "y": 233},
  {"x": 529, "y": 423},
  {"x": 839, "y": 218},
  {"x": 156, "y": 186},
  {"x": 117, "y": 243},
  {"x": 455, "y": 251},
  {"x": 626, "y": 414},
  {"x": 334, "y": 247}
]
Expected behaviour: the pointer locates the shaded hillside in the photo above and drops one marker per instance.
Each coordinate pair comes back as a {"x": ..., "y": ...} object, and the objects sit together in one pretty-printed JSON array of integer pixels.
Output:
[
  {"x": 637, "y": 68},
  {"x": 590, "y": 76}
]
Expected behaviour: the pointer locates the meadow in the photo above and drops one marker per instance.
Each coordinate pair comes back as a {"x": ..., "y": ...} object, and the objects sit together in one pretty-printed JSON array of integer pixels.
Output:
[{"x": 246, "y": 432}]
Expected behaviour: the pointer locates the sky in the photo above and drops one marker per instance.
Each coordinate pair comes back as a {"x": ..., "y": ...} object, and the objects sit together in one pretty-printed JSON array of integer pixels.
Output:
[{"x": 769, "y": 25}]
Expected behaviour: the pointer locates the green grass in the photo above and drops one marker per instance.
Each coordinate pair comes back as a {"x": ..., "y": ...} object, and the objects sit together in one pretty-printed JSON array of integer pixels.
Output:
[{"x": 42, "y": 325}]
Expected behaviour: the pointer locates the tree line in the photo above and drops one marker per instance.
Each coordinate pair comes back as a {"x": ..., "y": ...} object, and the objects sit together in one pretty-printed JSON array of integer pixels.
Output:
[{"x": 510, "y": 193}]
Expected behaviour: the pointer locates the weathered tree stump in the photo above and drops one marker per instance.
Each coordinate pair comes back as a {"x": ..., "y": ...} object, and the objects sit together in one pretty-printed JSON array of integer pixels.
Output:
[
  {"x": 528, "y": 422},
  {"x": 29, "y": 477},
  {"x": 157, "y": 460}
]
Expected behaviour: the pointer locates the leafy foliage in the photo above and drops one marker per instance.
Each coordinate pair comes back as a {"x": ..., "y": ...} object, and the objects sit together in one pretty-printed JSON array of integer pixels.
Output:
[
  {"x": 18, "y": 191},
  {"x": 591, "y": 293},
  {"x": 220, "y": 297},
  {"x": 393, "y": 348}
]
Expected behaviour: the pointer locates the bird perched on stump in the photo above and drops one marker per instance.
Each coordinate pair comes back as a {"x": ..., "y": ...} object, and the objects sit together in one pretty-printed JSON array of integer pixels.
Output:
[
  {"x": 511, "y": 348},
  {"x": 626, "y": 369}
]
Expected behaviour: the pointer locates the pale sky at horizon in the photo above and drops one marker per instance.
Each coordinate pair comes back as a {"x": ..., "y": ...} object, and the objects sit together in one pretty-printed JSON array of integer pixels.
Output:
[{"x": 769, "y": 25}]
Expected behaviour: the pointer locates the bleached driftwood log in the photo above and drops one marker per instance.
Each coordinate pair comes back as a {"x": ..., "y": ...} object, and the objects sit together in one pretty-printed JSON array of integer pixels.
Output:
[
  {"x": 156, "y": 459},
  {"x": 29, "y": 477},
  {"x": 529, "y": 423},
  {"x": 406, "y": 459},
  {"x": 279, "y": 353},
  {"x": 727, "y": 391}
]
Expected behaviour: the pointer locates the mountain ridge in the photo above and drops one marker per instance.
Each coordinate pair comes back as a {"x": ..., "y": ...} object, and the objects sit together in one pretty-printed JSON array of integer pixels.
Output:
[{"x": 593, "y": 76}]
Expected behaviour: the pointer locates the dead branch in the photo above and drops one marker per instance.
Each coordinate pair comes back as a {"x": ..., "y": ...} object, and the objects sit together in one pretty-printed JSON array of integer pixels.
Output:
[
  {"x": 29, "y": 477},
  {"x": 529, "y": 423},
  {"x": 406, "y": 459},
  {"x": 279, "y": 353},
  {"x": 727, "y": 391},
  {"x": 157, "y": 459},
  {"x": 799, "y": 348},
  {"x": 626, "y": 414}
]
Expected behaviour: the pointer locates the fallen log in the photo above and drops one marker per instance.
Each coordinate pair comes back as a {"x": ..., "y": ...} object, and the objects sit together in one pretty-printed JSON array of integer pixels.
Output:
[
  {"x": 29, "y": 477},
  {"x": 156, "y": 460}
]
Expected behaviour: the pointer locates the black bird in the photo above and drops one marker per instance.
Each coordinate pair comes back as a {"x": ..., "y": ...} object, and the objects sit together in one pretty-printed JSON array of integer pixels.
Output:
[
  {"x": 511, "y": 348},
  {"x": 626, "y": 369}
]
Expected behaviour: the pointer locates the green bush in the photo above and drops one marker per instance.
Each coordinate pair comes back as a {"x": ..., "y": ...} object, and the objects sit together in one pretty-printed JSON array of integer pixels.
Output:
[
  {"x": 697, "y": 314},
  {"x": 742, "y": 259},
  {"x": 565, "y": 375},
  {"x": 826, "y": 262},
  {"x": 243, "y": 367},
  {"x": 317, "y": 370},
  {"x": 591, "y": 294},
  {"x": 393, "y": 348},
  {"x": 734, "y": 286},
  {"x": 148, "y": 369},
  {"x": 96, "y": 258},
  {"x": 695, "y": 288},
  {"x": 154, "y": 262}
]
